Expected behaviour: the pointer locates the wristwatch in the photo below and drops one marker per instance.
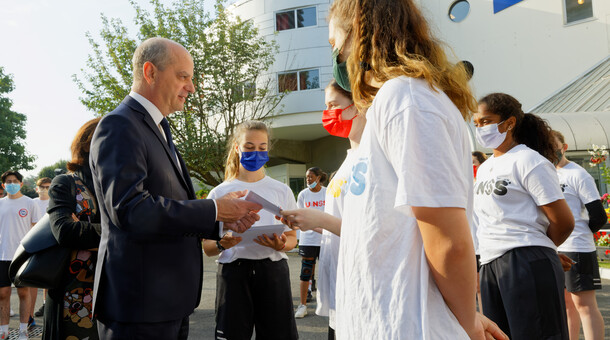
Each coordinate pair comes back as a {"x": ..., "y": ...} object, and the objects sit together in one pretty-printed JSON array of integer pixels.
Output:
[{"x": 220, "y": 247}]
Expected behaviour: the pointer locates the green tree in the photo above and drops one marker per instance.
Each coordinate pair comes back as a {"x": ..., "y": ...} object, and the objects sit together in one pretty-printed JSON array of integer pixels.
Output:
[
  {"x": 231, "y": 81},
  {"x": 50, "y": 171},
  {"x": 12, "y": 131}
]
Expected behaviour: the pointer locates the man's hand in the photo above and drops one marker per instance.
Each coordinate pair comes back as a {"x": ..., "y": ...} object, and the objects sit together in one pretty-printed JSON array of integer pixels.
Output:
[
  {"x": 244, "y": 223},
  {"x": 232, "y": 210}
]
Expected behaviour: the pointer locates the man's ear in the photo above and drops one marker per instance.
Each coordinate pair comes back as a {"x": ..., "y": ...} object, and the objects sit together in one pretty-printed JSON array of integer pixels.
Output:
[
  {"x": 149, "y": 71},
  {"x": 565, "y": 147}
]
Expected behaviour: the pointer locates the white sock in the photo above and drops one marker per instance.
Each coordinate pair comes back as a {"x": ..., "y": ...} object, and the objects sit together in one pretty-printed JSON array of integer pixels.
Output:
[
  {"x": 4, "y": 328},
  {"x": 23, "y": 327}
]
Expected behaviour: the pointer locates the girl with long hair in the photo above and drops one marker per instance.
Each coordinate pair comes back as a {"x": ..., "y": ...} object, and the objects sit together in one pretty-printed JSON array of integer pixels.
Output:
[
  {"x": 522, "y": 218},
  {"x": 253, "y": 282},
  {"x": 583, "y": 278},
  {"x": 406, "y": 263}
]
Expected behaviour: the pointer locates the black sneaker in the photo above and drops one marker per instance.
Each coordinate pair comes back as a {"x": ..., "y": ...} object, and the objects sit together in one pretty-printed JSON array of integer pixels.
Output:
[
  {"x": 40, "y": 311},
  {"x": 309, "y": 296}
]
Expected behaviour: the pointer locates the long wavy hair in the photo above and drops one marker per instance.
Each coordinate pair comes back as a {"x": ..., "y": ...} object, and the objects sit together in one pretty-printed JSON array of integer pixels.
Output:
[
  {"x": 392, "y": 39},
  {"x": 530, "y": 129},
  {"x": 232, "y": 165},
  {"x": 81, "y": 145}
]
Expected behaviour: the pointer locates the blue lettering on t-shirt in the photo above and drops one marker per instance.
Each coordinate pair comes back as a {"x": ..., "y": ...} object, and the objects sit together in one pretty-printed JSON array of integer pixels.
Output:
[{"x": 357, "y": 181}]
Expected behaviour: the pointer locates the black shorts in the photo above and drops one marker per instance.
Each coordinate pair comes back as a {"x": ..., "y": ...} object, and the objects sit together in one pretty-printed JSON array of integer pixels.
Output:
[
  {"x": 310, "y": 251},
  {"x": 5, "y": 281},
  {"x": 584, "y": 274},
  {"x": 522, "y": 292}
]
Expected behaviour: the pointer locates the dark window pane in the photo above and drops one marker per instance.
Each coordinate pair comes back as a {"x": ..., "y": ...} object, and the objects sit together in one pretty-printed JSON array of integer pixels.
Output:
[
  {"x": 287, "y": 82},
  {"x": 284, "y": 20},
  {"x": 306, "y": 17},
  {"x": 309, "y": 80},
  {"x": 578, "y": 10}
]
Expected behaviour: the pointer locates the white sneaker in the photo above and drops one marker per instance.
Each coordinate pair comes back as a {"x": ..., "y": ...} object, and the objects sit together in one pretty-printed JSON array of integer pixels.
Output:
[
  {"x": 301, "y": 312},
  {"x": 23, "y": 335}
]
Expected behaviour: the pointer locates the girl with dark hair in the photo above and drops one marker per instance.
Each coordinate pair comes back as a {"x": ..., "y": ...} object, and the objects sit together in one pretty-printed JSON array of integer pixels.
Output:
[
  {"x": 75, "y": 223},
  {"x": 522, "y": 218},
  {"x": 406, "y": 263},
  {"x": 583, "y": 277},
  {"x": 312, "y": 197}
]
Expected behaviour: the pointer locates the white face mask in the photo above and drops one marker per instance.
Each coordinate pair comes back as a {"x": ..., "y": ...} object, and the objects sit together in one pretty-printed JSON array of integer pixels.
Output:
[{"x": 489, "y": 136}]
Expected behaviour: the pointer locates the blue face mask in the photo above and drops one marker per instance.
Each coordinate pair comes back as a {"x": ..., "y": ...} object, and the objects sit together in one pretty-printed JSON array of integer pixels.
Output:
[
  {"x": 313, "y": 185},
  {"x": 253, "y": 160},
  {"x": 12, "y": 188}
]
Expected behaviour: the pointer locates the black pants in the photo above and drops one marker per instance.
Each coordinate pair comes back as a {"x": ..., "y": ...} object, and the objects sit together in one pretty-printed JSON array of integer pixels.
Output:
[
  {"x": 522, "y": 291},
  {"x": 169, "y": 330},
  {"x": 254, "y": 294}
]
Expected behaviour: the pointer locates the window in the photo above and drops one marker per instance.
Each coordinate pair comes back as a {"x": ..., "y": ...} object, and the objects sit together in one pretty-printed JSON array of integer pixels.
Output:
[
  {"x": 297, "y": 185},
  {"x": 576, "y": 10},
  {"x": 459, "y": 10},
  {"x": 299, "y": 80},
  {"x": 295, "y": 18},
  {"x": 244, "y": 91}
]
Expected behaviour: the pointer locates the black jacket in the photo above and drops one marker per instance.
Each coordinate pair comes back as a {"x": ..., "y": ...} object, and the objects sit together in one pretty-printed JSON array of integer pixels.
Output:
[{"x": 150, "y": 265}]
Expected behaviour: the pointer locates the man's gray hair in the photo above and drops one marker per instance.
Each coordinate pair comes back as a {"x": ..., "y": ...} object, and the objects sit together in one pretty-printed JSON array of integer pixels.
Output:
[{"x": 155, "y": 50}]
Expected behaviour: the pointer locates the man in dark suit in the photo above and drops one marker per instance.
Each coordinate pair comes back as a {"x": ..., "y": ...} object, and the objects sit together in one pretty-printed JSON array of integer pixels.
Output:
[{"x": 149, "y": 272}]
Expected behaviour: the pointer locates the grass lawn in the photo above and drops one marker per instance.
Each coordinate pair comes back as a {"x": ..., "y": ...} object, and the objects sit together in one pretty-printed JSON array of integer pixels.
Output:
[{"x": 604, "y": 264}]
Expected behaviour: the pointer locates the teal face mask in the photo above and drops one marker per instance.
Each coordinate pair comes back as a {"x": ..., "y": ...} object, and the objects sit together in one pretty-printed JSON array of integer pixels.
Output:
[
  {"x": 12, "y": 188},
  {"x": 340, "y": 72}
]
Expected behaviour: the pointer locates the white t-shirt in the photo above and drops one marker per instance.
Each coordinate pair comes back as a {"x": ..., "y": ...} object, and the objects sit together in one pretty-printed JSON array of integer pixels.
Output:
[
  {"x": 579, "y": 189},
  {"x": 414, "y": 151},
  {"x": 313, "y": 200},
  {"x": 508, "y": 193},
  {"x": 42, "y": 206},
  {"x": 275, "y": 192},
  {"x": 329, "y": 245},
  {"x": 16, "y": 219}
]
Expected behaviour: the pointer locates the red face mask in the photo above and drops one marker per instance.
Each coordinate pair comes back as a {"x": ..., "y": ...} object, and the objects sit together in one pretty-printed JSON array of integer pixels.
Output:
[{"x": 335, "y": 125}]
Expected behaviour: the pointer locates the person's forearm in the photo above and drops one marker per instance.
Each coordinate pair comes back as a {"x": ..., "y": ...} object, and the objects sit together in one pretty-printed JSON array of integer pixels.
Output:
[
  {"x": 210, "y": 248},
  {"x": 291, "y": 242},
  {"x": 559, "y": 232},
  {"x": 332, "y": 224},
  {"x": 450, "y": 253}
]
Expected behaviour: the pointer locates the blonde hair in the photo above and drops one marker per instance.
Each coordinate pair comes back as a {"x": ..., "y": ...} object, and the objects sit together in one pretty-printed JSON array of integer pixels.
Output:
[
  {"x": 402, "y": 46},
  {"x": 232, "y": 165}
]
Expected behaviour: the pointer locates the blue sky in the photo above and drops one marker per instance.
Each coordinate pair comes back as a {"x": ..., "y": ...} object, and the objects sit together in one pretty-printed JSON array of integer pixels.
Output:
[{"x": 43, "y": 44}]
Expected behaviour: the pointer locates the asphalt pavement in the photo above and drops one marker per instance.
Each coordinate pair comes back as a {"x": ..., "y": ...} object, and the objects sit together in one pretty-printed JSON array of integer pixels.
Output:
[{"x": 312, "y": 327}]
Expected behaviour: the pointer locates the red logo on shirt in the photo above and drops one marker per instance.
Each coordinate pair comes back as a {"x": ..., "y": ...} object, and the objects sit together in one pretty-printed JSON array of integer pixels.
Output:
[
  {"x": 23, "y": 212},
  {"x": 315, "y": 204}
]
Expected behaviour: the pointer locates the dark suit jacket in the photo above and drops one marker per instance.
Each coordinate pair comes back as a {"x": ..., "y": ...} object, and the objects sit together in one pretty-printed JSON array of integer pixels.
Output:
[{"x": 150, "y": 265}]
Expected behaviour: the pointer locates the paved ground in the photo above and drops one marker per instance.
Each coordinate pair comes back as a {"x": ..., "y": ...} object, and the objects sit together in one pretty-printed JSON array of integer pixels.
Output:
[{"x": 312, "y": 327}]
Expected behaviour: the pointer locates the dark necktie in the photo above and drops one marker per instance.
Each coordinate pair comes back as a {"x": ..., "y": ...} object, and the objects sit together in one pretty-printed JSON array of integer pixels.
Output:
[{"x": 168, "y": 135}]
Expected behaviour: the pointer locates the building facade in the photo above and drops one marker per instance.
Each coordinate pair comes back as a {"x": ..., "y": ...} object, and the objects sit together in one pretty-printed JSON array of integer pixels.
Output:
[{"x": 527, "y": 48}]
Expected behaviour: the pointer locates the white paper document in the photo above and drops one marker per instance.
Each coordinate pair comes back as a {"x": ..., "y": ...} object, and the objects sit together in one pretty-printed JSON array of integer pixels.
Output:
[
  {"x": 270, "y": 207},
  {"x": 248, "y": 236}
]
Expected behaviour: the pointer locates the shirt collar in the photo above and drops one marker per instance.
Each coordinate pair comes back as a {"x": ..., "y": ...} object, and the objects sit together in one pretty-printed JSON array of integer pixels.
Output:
[{"x": 152, "y": 110}]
